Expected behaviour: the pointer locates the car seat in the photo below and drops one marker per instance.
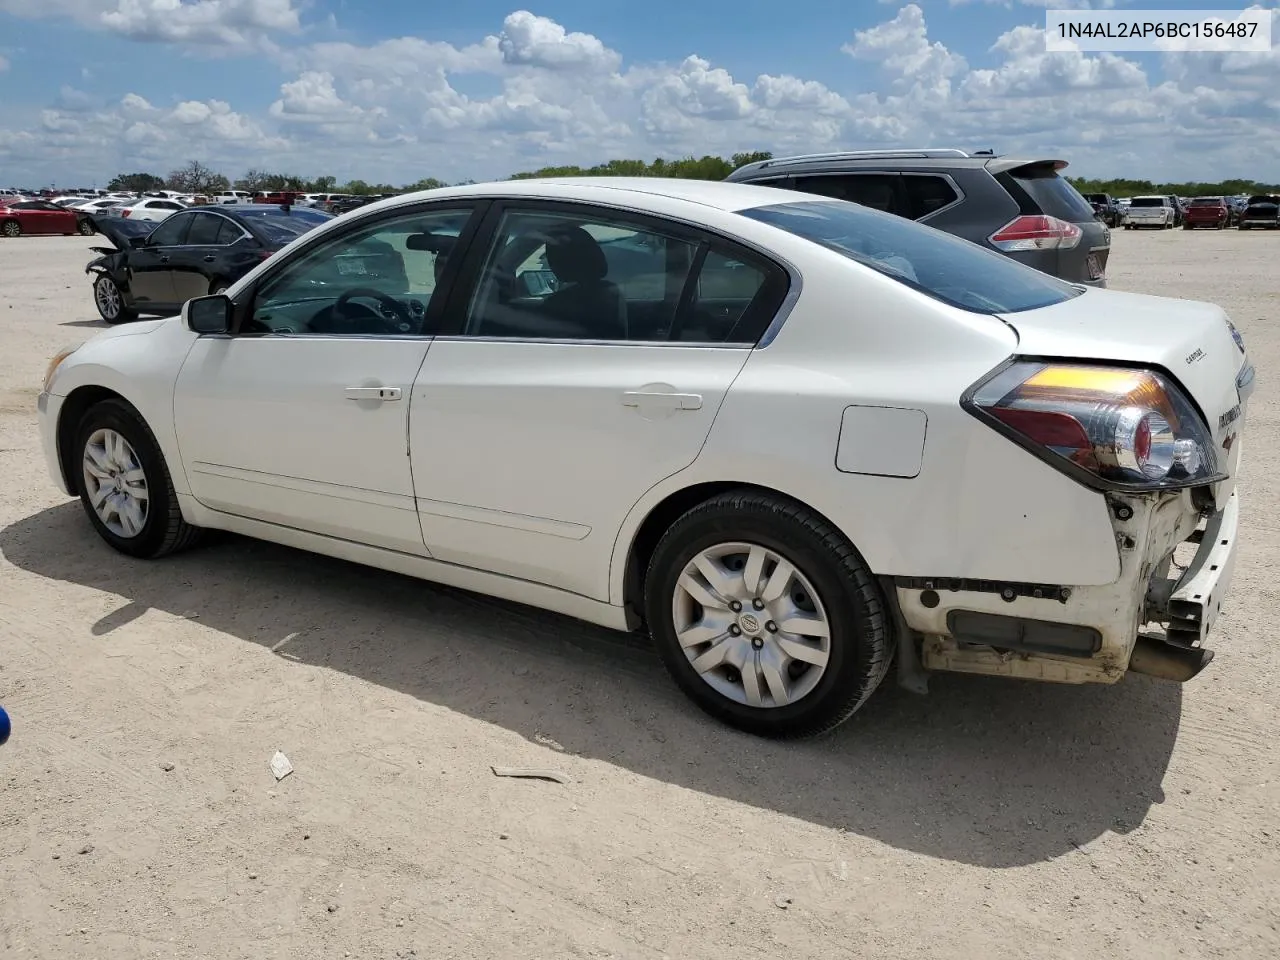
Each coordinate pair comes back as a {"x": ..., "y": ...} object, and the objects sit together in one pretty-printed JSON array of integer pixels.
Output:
[{"x": 585, "y": 297}]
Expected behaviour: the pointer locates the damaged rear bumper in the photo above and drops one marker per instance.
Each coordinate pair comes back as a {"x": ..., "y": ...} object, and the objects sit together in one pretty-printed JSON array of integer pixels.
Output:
[{"x": 1088, "y": 634}]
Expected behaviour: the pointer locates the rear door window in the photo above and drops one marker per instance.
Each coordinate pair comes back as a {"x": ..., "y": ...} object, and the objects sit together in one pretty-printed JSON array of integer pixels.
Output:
[
  {"x": 927, "y": 194},
  {"x": 880, "y": 191}
]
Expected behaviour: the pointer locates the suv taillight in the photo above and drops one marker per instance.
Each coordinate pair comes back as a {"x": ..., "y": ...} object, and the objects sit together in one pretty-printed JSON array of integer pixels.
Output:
[
  {"x": 1036, "y": 232},
  {"x": 124, "y": 212}
]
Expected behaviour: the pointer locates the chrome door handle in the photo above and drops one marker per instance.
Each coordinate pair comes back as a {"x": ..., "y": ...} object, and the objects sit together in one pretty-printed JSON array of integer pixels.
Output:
[
  {"x": 374, "y": 393},
  {"x": 647, "y": 398}
]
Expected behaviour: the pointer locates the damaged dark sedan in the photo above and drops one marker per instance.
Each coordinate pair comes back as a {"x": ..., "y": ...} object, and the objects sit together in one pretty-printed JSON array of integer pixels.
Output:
[{"x": 154, "y": 268}]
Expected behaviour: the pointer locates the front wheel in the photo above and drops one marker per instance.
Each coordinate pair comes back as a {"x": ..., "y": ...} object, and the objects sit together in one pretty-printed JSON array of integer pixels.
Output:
[
  {"x": 766, "y": 616},
  {"x": 85, "y": 228},
  {"x": 125, "y": 486},
  {"x": 109, "y": 300},
  {"x": 11, "y": 228}
]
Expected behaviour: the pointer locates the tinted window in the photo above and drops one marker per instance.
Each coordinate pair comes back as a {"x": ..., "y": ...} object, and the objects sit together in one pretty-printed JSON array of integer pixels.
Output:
[
  {"x": 172, "y": 231},
  {"x": 1054, "y": 195},
  {"x": 204, "y": 230},
  {"x": 945, "y": 267},
  {"x": 928, "y": 194},
  {"x": 228, "y": 231},
  {"x": 1207, "y": 202},
  {"x": 729, "y": 286},
  {"x": 564, "y": 276},
  {"x": 1148, "y": 202},
  {"x": 876, "y": 190},
  {"x": 281, "y": 229}
]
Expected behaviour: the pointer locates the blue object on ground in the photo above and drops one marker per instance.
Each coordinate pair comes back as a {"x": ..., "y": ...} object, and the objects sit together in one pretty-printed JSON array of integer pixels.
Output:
[{"x": 5, "y": 726}]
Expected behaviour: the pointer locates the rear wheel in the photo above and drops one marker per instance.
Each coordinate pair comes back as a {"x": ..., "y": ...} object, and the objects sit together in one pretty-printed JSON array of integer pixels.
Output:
[
  {"x": 125, "y": 485},
  {"x": 766, "y": 616},
  {"x": 11, "y": 228},
  {"x": 109, "y": 300},
  {"x": 85, "y": 228}
]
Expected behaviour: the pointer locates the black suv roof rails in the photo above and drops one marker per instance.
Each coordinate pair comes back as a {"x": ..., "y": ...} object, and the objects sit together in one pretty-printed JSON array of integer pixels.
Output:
[{"x": 914, "y": 153}]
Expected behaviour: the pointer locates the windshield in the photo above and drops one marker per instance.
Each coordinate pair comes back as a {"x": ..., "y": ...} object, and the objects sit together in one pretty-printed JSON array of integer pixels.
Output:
[{"x": 955, "y": 271}]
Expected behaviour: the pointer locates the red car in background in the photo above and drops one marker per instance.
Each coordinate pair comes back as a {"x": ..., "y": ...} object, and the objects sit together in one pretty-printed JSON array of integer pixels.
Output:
[
  {"x": 40, "y": 216},
  {"x": 1207, "y": 212}
]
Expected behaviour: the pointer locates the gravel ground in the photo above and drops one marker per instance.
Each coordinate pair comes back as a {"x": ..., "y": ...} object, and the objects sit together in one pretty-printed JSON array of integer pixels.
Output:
[{"x": 991, "y": 819}]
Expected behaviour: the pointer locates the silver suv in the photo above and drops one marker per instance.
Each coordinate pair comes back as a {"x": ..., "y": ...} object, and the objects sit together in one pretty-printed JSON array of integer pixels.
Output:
[{"x": 1018, "y": 206}]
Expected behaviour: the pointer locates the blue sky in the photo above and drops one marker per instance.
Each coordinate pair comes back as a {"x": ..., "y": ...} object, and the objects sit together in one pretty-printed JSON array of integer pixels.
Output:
[{"x": 395, "y": 90}]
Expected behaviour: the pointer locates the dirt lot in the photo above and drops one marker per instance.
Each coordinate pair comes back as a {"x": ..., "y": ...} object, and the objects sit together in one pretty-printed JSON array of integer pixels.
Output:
[{"x": 991, "y": 819}]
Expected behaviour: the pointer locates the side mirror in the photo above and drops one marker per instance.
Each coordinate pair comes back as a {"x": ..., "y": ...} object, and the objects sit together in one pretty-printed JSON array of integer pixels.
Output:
[{"x": 210, "y": 314}]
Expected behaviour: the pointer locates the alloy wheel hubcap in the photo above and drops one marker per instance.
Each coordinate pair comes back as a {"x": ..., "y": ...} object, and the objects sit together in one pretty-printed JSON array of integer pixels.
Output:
[
  {"x": 108, "y": 298},
  {"x": 11, "y": 229},
  {"x": 751, "y": 624},
  {"x": 116, "y": 483}
]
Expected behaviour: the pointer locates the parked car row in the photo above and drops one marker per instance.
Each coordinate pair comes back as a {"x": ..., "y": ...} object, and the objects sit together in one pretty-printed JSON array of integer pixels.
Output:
[{"x": 1218, "y": 213}]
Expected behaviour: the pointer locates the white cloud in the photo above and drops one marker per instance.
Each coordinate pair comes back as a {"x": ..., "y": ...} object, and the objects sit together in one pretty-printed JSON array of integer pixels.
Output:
[
  {"x": 529, "y": 40},
  {"x": 4, "y": 64},
  {"x": 902, "y": 47},
  {"x": 230, "y": 23},
  {"x": 536, "y": 93}
]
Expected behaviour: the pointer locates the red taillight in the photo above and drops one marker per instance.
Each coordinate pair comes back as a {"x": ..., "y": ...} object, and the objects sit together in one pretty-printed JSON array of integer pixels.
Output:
[
  {"x": 124, "y": 212},
  {"x": 1125, "y": 427},
  {"x": 1037, "y": 232}
]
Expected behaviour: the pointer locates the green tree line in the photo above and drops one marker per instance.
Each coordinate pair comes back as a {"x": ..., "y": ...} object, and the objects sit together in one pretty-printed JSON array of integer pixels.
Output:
[
  {"x": 1197, "y": 188},
  {"x": 195, "y": 177}
]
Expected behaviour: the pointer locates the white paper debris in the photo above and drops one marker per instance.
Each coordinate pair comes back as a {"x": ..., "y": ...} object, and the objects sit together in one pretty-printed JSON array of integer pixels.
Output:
[{"x": 280, "y": 766}]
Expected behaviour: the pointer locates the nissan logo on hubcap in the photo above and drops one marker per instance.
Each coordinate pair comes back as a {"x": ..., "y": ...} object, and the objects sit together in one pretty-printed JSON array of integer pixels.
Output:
[{"x": 749, "y": 623}]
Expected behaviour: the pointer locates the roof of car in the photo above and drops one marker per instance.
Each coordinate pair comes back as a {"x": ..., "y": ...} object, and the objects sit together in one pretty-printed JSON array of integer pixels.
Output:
[{"x": 718, "y": 194}]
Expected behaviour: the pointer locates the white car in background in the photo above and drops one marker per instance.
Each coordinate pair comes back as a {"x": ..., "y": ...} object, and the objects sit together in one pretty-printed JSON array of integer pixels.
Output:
[
  {"x": 148, "y": 208},
  {"x": 1150, "y": 212},
  {"x": 793, "y": 437}
]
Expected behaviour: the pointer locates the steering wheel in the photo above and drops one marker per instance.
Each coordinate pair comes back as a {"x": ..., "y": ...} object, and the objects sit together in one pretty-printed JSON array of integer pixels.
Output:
[{"x": 402, "y": 323}]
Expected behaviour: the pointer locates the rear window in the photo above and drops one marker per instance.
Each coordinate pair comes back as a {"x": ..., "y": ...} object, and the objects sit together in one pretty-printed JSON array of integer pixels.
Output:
[
  {"x": 954, "y": 271},
  {"x": 281, "y": 227},
  {"x": 1148, "y": 202},
  {"x": 1262, "y": 199},
  {"x": 1207, "y": 202},
  {"x": 1054, "y": 195}
]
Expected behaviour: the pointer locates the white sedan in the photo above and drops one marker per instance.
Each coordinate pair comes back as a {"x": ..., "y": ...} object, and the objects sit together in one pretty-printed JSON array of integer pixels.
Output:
[{"x": 792, "y": 437}]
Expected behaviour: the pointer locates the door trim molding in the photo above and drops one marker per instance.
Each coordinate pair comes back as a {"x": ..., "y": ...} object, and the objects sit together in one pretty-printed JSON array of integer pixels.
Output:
[{"x": 501, "y": 518}]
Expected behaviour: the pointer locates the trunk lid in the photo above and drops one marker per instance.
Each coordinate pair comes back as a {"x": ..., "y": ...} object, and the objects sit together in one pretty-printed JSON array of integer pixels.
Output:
[{"x": 1192, "y": 341}]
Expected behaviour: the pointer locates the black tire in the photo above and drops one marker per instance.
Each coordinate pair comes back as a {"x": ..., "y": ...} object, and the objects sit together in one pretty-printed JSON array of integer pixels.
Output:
[
  {"x": 1241, "y": 226},
  {"x": 85, "y": 228},
  {"x": 163, "y": 531},
  {"x": 123, "y": 314},
  {"x": 11, "y": 228},
  {"x": 861, "y": 642},
  {"x": 1128, "y": 226}
]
